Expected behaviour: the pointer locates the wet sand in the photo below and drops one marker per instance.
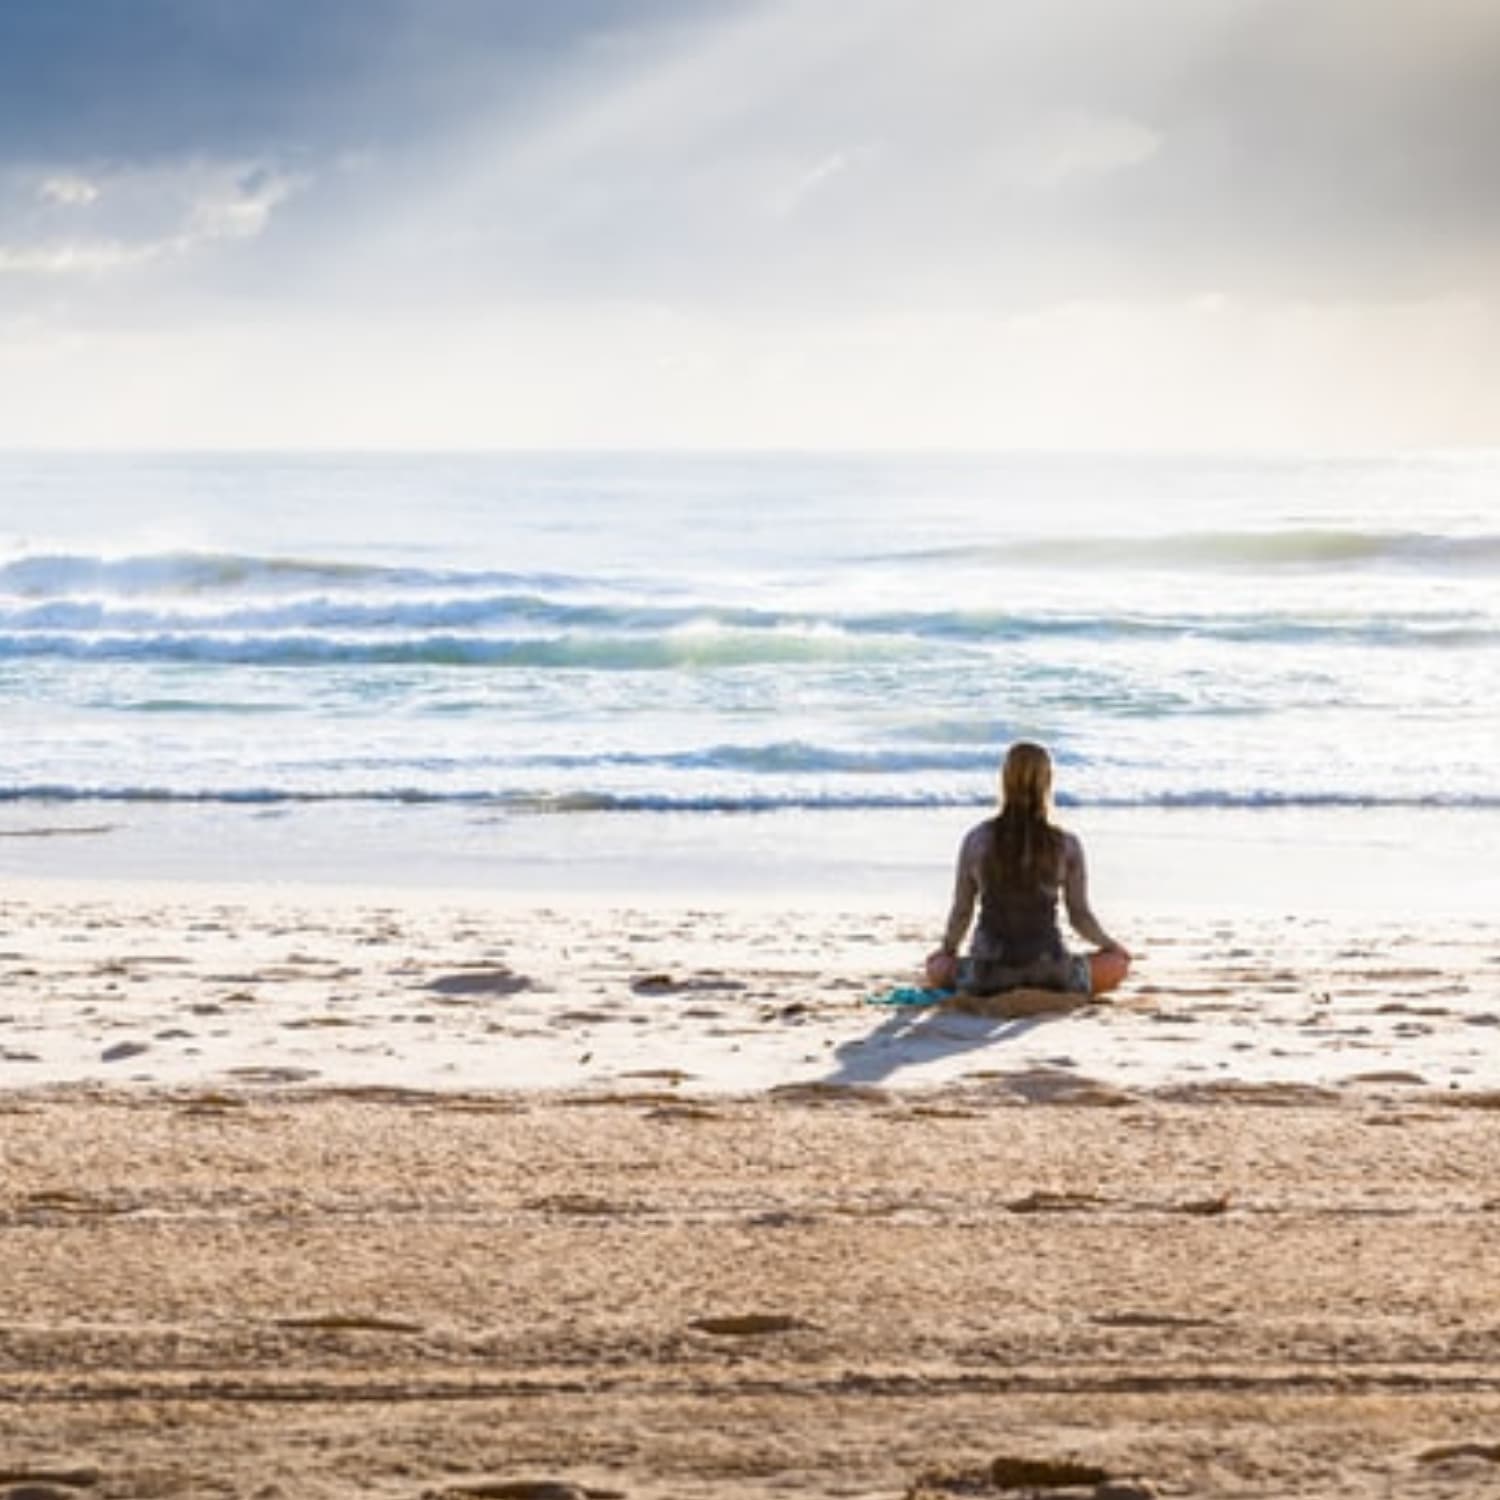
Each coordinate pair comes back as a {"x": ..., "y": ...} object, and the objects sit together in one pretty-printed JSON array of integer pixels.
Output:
[{"x": 1233, "y": 1292}]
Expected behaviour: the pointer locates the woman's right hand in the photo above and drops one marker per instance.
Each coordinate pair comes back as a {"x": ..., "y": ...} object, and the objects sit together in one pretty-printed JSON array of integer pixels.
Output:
[{"x": 942, "y": 969}]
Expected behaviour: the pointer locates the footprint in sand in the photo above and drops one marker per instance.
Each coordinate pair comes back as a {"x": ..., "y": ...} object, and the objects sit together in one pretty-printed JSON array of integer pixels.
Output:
[
  {"x": 749, "y": 1325},
  {"x": 520, "y": 1489},
  {"x": 1446, "y": 1453},
  {"x": 1150, "y": 1320},
  {"x": 669, "y": 1113},
  {"x": 47, "y": 1484},
  {"x": 123, "y": 1050},
  {"x": 273, "y": 1075},
  {"x": 667, "y": 984},
  {"x": 1036, "y": 1476},
  {"x": 348, "y": 1323},
  {"x": 499, "y": 981}
]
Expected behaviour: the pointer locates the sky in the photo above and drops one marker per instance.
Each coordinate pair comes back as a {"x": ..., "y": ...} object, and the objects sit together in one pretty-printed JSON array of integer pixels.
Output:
[{"x": 928, "y": 224}]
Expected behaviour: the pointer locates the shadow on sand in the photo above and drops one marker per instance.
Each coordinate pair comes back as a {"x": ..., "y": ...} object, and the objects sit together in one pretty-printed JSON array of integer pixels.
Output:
[{"x": 908, "y": 1038}]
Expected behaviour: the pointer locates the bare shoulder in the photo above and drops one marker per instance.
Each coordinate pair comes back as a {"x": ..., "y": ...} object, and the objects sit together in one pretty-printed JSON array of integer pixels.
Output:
[
  {"x": 1072, "y": 847},
  {"x": 977, "y": 839},
  {"x": 974, "y": 850}
]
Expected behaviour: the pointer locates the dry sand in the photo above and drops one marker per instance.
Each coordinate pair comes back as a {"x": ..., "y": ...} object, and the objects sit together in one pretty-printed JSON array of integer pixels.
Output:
[
  {"x": 316, "y": 1197},
  {"x": 187, "y": 985}
]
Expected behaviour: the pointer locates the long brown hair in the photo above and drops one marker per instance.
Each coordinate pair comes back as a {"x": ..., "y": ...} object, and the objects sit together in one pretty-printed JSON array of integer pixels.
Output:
[{"x": 1026, "y": 847}]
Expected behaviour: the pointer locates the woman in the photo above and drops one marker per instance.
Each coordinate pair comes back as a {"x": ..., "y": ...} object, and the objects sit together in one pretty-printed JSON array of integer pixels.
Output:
[{"x": 1016, "y": 865}]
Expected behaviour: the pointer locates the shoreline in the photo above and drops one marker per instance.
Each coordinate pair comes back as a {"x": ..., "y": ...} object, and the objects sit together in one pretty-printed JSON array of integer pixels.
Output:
[{"x": 1341, "y": 862}]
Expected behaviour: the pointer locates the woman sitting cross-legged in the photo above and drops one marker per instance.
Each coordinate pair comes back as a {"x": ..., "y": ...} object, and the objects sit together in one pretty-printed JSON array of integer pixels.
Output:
[{"x": 1016, "y": 866}]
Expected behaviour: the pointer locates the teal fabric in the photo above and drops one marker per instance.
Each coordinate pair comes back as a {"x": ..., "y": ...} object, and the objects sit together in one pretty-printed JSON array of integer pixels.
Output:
[{"x": 906, "y": 994}]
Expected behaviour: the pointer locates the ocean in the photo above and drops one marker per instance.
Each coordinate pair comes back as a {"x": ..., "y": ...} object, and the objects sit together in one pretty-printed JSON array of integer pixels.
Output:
[{"x": 482, "y": 650}]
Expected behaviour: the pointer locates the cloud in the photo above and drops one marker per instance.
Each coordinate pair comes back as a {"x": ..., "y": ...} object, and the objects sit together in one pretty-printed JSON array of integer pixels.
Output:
[
  {"x": 73, "y": 191},
  {"x": 762, "y": 220},
  {"x": 784, "y": 152},
  {"x": 86, "y": 257},
  {"x": 238, "y": 208},
  {"x": 66, "y": 224},
  {"x": 1073, "y": 145},
  {"x": 792, "y": 154},
  {"x": 809, "y": 182}
]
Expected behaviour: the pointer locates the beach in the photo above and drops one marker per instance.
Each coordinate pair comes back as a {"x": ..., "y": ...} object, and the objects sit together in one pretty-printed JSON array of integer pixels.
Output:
[
  {"x": 330, "y": 1190},
  {"x": 558, "y": 561},
  {"x": 740, "y": 988},
  {"x": 370, "y": 1292},
  {"x": 448, "y": 905}
]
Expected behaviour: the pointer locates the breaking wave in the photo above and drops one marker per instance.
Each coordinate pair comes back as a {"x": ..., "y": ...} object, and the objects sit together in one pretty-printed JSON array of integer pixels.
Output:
[
  {"x": 184, "y": 607},
  {"x": 1310, "y": 548},
  {"x": 583, "y": 801}
]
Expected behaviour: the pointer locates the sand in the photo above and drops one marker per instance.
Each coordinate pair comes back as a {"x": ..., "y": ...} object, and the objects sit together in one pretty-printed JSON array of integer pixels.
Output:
[
  {"x": 188, "y": 985},
  {"x": 323, "y": 1194}
]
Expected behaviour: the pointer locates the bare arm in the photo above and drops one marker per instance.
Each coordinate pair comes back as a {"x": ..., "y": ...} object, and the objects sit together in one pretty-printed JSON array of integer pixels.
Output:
[
  {"x": 1076, "y": 898},
  {"x": 965, "y": 893}
]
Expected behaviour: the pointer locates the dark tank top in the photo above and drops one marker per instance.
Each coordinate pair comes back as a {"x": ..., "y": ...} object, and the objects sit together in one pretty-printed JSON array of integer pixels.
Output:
[{"x": 1020, "y": 922}]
